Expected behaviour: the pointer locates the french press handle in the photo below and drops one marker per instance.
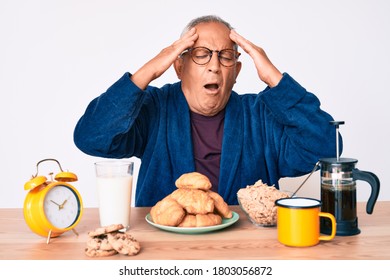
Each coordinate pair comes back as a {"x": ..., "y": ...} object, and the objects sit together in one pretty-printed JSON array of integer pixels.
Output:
[{"x": 374, "y": 182}]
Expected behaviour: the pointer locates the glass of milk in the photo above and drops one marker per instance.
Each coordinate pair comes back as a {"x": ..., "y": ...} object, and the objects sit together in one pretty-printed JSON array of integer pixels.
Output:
[{"x": 114, "y": 179}]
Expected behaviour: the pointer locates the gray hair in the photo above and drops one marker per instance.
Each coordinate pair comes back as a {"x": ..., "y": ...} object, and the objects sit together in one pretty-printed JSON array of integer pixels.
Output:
[{"x": 205, "y": 19}]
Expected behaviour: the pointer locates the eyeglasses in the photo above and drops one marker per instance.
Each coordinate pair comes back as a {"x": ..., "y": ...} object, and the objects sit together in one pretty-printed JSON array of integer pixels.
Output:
[{"x": 203, "y": 55}]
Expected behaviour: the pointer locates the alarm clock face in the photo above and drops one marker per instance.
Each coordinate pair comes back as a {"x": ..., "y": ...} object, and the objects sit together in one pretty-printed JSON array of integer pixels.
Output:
[{"x": 61, "y": 206}]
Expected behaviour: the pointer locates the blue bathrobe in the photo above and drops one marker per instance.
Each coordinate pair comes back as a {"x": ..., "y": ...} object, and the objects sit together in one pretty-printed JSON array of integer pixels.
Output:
[{"x": 279, "y": 132}]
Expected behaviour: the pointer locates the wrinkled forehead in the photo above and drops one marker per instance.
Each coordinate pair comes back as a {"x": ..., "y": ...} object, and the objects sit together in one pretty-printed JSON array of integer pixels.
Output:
[{"x": 213, "y": 35}]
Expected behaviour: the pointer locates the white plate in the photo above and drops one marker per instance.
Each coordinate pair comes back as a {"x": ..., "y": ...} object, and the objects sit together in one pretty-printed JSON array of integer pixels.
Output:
[{"x": 195, "y": 230}]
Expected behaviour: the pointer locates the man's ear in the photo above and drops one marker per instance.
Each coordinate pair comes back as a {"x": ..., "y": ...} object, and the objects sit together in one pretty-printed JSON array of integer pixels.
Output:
[
  {"x": 178, "y": 65},
  {"x": 238, "y": 68}
]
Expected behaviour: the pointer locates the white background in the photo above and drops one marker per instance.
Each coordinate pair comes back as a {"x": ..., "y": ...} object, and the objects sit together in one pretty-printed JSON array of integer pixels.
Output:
[{"x": 56, "y": 56}]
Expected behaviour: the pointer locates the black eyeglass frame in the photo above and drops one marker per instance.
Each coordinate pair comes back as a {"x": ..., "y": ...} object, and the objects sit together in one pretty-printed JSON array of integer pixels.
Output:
[{"x": 190, "y": 50}]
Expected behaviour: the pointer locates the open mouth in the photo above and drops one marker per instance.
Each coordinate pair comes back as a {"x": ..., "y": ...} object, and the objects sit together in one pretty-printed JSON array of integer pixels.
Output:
[{"x": 211, "y": 86}]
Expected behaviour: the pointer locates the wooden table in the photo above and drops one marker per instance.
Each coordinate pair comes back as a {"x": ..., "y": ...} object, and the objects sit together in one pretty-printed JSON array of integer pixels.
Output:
[{"x": 240, "y": 241}]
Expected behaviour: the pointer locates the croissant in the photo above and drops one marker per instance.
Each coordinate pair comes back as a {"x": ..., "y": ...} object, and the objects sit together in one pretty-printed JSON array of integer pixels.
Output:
[
  {"x": 200, "y": 220},
  {"x": 167, "y": 212},
  {"x": 188, "y": 221},
  {"x": 192, "y": 204},
  {"x": 220, "y": 206},
  {"x": 205, "y": 220},
  {"x": 193, "y": 180},
  {"x": 194, "y": 201}
]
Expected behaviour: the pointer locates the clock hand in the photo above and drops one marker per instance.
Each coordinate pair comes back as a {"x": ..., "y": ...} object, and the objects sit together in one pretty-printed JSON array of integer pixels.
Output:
[
  {"x": 59, "y": 206},
  {"x": 63, "y": 203}
]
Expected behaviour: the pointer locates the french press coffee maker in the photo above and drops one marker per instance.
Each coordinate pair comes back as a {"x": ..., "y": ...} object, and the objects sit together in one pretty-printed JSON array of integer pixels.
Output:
[{"x": 338, "y": 191}]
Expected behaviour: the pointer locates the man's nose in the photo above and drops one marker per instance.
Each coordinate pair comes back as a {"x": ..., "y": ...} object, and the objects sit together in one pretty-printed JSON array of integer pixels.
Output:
[{"x": 214, "y": 64}]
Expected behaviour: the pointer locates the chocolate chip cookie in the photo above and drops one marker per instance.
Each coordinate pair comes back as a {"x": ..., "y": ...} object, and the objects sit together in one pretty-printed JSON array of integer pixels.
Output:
[
  {"x": 108, "y": 241},
  {"x": 105, "y": 230},
  {"x": 124, "y": 243}
]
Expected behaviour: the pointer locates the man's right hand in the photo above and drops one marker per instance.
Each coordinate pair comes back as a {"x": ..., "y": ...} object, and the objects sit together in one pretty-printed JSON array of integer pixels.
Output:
[{"x": 160, "y": 63}]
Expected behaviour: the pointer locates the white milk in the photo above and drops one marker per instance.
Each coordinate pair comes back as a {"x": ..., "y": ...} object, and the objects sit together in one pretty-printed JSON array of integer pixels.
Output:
[{"x": 114, "y": 195}]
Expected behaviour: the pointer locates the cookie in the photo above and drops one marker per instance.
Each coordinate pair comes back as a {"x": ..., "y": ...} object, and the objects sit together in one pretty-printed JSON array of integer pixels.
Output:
[
  {"x": 105, "y": 230},
  {"x": 99, "y": 243},
  {"x": 124, "y": 243},
  {"x": 99, "y": 253}
]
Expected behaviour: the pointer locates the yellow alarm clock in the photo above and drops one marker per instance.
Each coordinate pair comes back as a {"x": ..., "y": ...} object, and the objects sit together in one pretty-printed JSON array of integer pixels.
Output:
[{"x": 52, "y": 207}]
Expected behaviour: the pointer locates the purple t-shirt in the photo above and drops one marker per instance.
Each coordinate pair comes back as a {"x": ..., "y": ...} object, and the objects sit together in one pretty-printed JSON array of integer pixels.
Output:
[{"x": 207, "y": 134}]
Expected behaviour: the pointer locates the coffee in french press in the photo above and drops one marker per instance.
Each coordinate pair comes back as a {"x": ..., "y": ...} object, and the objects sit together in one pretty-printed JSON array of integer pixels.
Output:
[{"x": 338, "y": 191}]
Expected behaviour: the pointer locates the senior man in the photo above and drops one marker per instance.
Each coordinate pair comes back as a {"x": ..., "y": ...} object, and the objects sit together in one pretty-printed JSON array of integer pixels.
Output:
[{"x": 200, "y": 124}]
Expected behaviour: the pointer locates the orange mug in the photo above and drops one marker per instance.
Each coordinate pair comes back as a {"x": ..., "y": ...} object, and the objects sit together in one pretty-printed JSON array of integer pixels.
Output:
[{"x": 298, "y": 222}]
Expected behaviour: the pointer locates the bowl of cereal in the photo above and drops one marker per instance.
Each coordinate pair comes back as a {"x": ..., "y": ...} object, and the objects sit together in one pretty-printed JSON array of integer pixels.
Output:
[{"x": 258, "y": 203}]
